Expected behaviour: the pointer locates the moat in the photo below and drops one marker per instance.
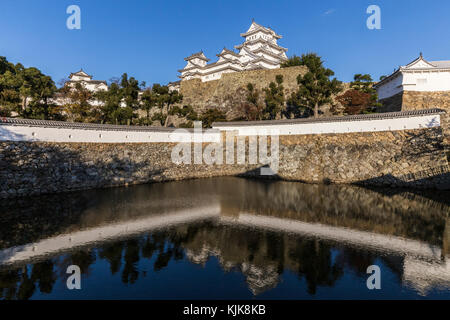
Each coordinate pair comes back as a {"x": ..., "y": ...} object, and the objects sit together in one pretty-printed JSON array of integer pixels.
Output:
[{"x": 227, "y": 238}]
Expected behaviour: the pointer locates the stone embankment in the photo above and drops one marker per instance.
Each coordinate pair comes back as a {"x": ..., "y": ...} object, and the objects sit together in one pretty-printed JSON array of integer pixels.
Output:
[{"x": 397, "y": 158}]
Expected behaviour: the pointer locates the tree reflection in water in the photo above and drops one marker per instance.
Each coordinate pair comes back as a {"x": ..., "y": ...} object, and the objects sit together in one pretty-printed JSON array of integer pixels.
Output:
[{"x": 262, "y": 256}]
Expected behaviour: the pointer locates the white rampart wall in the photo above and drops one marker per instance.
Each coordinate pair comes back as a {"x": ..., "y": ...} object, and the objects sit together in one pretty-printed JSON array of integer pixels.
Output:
[
  {"x": 407, "y": 123},
  {"x": 22, "y": 132},
  {"x": 28, "y": 133}
]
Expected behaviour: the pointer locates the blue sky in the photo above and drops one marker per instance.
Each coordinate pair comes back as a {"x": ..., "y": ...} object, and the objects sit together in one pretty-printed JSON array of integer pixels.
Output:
[{"x": 149, "y": 39}]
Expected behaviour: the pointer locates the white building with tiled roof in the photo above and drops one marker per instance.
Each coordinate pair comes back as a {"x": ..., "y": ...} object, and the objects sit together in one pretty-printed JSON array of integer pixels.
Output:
[
  {"x": 419, "y": 75},
  {"x": 260, "y": 50},
  {"x": 86, "y": 80}
]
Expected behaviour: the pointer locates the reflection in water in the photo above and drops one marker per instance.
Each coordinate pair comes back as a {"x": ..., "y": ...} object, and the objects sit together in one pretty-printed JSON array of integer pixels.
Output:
[{"x": 287, "y": 240}]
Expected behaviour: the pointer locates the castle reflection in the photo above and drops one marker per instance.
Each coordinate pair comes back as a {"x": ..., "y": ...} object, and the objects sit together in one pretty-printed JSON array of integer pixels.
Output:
[{"x": 259, "y": 229}]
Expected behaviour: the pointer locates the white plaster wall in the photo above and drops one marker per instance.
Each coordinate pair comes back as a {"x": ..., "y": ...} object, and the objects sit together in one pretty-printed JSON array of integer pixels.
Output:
[
  {"x": 417, "y": 122},
  {"x": 78, "y": 78},
  {"x": 51, "y": 134},
  {"x": 434, "y": 81},
  {"x": 91, "y": 86},
  {"x": 27, "y": 133},
  {"x": 199, "y": 62},
  {"x": 390, "y": 88}
]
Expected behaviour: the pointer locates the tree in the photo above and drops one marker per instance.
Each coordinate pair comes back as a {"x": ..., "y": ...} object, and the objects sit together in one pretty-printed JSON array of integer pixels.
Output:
[
  {"x": 111, "y": 109},
  {"x": 251, "y": 109},
  {"x": 186, "y": 112},
  {"x": 5, "y": 65},
  {"x": 41, "y": 88},
  {"x": 354, "y": 101},
  {"x": 172, "y": 98},
  {"x": 362, "y": 82},
  {"x": 274, "y": 98},
  {"x": 149, "y": 100},
  {"x": 79, "y": 107},
  {"x": 165, "y": 100},
  {"x": 161, "y": 94},
  {"x": 130, "y": 94},
  {"x": 292, "y": 61},
  {"x": 361, "y": 98},
  {"x": 315, "y": 87},
  {"x": 212, "y": 115},
  {"x": 9, "y": 93},
  {"x": 18, "y": 84}
]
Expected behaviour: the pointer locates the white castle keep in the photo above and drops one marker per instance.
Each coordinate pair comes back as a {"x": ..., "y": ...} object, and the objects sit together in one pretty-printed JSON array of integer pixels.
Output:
[
  {"x": 86, "y": 80},
  {"x": 259, "y": 51}
]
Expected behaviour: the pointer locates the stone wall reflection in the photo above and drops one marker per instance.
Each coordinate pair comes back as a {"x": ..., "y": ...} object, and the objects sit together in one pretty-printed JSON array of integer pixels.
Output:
[{"x": 262, "y": 256}]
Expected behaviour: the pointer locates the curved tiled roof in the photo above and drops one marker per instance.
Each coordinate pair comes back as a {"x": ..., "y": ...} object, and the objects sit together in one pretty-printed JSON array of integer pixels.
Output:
[
  {"x": 80, "y": 73},
  {"x": 198, "y": 55},
  {"x": 225, "y": 51},
  {"x": 83, "y": 126},
  {"x": 250, "y": 42},
  {"x": 270, "y": 53},
  {"x": 229, "y": 67},
  {"x": 261, "y": 28},
  {"x": 362, "y": 117},
  {"x": 262, "y": 58},
  {"x": 208, "y": 66},
  {"x": 441, "y": 64}
]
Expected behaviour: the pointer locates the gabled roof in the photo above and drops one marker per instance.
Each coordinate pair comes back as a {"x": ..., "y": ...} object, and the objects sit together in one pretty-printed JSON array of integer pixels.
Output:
[
  {"x": 226, "y": 51},
  {"x": 208, "y": 66},
  {"x": 255, "y": 27},
  {"x": 80, "y": 73},
  {"x": 420, "y": 62},
  {"x": 194, "y": 66},
  {"x": 198, "y": 55}
]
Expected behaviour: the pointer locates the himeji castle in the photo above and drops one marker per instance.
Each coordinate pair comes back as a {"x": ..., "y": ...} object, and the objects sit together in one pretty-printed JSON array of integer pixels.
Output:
[
  {"x": 259, "y": 51},
  {"x": 86, "y": 80}
]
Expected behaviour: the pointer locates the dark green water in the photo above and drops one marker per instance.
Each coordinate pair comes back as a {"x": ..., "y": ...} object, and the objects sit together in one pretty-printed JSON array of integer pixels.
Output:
[{"x": 227, "y": 238}]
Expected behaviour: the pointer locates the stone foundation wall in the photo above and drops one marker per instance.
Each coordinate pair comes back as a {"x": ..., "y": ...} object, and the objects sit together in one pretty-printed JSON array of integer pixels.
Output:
[
  {"x": 391, "y": 104},
  {"x": 413, "y": 158},
  {"x": 417, "y": 100},
  {"x": 398, "y": 158},
  {"x": 230, "y": 91}
]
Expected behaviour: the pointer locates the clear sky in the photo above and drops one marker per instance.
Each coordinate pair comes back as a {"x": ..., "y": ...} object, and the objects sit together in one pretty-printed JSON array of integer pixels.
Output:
[{"x": 149, "y": 39}]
